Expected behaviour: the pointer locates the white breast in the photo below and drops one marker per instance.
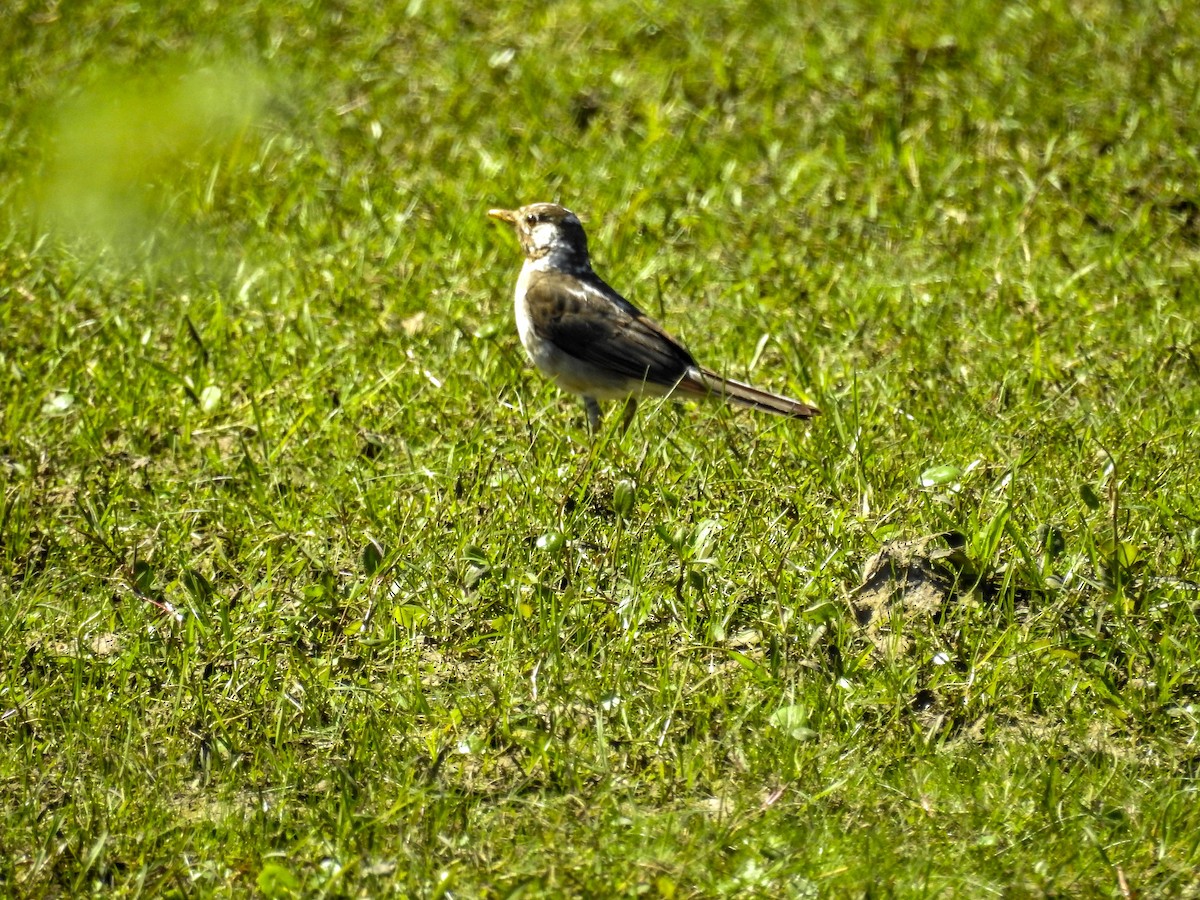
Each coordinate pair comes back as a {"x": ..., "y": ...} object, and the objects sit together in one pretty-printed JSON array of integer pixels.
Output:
[
  {"x": 529, "y": 340},
  {"x": 568, "y": 372}
]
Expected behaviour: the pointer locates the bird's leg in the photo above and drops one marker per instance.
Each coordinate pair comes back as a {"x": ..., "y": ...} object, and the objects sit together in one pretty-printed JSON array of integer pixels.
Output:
[
  {"x": 593, "y": 414},
  {"x": 630, "y": 410}
]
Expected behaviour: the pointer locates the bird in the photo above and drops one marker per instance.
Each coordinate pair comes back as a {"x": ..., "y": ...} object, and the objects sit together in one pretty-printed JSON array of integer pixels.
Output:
[{"x": 589, "y": 340}]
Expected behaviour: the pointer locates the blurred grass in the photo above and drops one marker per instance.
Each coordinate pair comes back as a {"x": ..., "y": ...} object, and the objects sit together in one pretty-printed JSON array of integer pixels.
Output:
[
  {"x": 114, "y": 147},
  {"x": 308, "y": 585}
]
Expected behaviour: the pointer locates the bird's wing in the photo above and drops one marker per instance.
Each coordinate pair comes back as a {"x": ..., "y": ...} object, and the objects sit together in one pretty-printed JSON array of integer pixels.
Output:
[{"x": 586, "y": 319}]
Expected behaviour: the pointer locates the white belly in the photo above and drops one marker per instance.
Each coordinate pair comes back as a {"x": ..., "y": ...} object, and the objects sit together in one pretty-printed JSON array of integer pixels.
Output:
[{"x": 569, "y": 372}]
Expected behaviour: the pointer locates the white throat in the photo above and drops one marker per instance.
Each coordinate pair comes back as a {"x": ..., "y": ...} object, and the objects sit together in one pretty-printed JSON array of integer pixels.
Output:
[
  {"x": 557, "y": 260},
  {"x": 546, "y": 234}
]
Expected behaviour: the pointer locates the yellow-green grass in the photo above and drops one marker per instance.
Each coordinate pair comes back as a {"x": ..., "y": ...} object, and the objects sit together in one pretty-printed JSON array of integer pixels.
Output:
[{"x": 310, "y": 586}]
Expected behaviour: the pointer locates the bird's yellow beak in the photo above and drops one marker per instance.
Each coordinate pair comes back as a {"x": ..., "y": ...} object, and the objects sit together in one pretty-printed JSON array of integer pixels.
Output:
[{"x": 504, "y": 215}]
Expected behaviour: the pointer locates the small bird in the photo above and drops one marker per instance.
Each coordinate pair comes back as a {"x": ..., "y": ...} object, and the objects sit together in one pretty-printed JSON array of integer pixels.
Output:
[{"x": 589, "y": 340}]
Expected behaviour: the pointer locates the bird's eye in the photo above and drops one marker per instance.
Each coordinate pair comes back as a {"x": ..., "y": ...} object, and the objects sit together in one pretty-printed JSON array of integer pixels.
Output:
[{"x": 531, "y": 219}]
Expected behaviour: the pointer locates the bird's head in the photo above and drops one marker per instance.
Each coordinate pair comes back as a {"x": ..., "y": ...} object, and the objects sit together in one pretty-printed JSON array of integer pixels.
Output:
[{"x": 548, "y": 231}]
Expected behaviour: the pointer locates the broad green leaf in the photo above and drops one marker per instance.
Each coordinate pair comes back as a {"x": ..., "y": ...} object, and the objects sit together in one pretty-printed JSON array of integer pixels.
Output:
[{"x": 935, "y": 476}]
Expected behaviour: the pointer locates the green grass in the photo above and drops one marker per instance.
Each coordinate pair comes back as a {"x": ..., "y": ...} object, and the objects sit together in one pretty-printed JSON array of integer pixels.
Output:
[{"x": 309, "y": 585}]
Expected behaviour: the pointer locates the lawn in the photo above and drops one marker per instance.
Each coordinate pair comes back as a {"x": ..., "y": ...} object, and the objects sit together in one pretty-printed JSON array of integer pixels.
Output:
[{"x": 311, "y": 586}]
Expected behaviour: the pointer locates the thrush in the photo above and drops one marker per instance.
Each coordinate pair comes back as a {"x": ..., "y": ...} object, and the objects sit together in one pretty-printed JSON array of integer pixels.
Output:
[{"x": 591, "y": 341}]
